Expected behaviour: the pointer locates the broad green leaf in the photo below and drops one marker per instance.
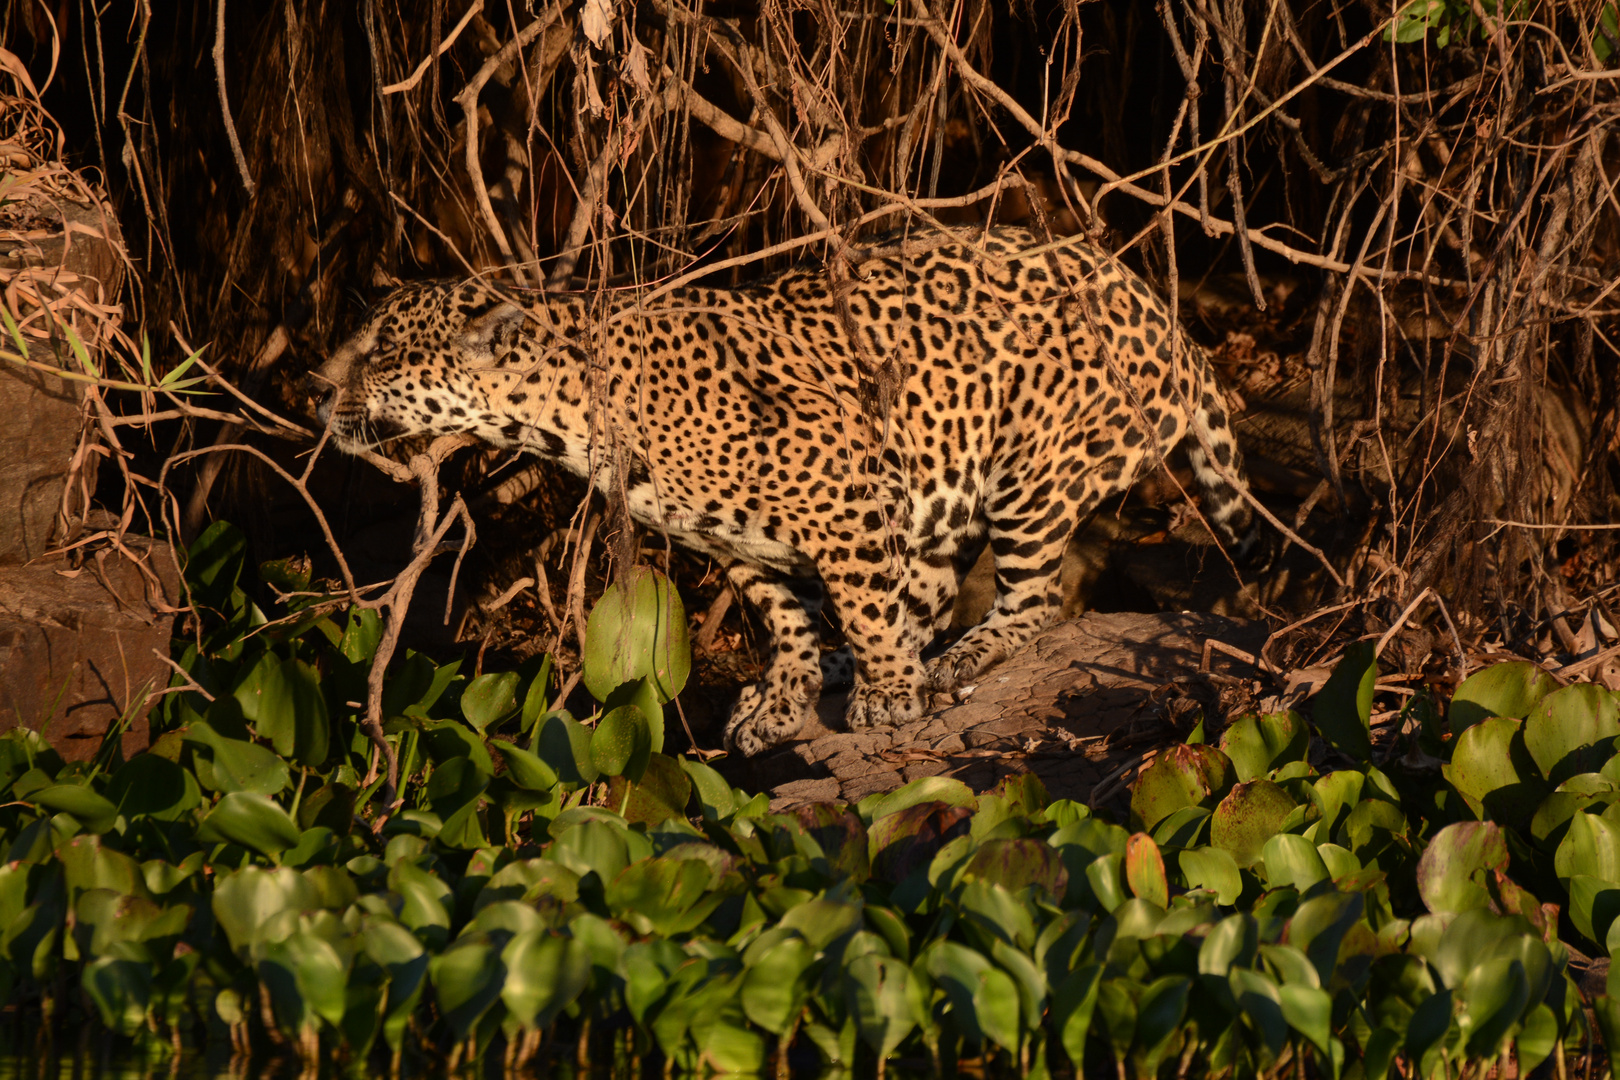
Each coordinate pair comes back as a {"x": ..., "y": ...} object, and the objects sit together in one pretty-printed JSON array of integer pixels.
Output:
[
  {"x": 245, "y": 901},
  {"x": 528, "y": 771},
  {"x": 877, "y": 989},
  {"x": 250, "y": 820},
  {"x": 1319, "y": 926},
  {"x": 1343, "y": 707},
  {"x": 1212, "y": 869},
  {"x": 489, "y": 699},
  {"x": 1258, "y": 744},
  {"x": 1249, "y": 816},
  {"x": 306, "y": 977},
  {"x": 1073, "y": 1003},
  {"x": 94, "y": 813},
  {"x": 1179, "y": 777},
  {"x": 1507, "y": 690},
  {"x": 714, "y": 794},
  {"x": 237, "y": 765},
  {"x": 1308, "y": 1011},
  {"x": 1493, "y": 770},
  {"x": 121, "y": 990},
  {"x": 1494, "y": 997},
  {"x": 565, "y": 744},
  {"x": 544, "y": 975},
  {"x": 929, "y": 789},
  {"x": 151, "y": 786},
  {"x": 1144, "y": 870},
  {"x": 1572, "y": 731},
  {"x": 467, "y": 980},
  {"x": 284, "y": 702},
  {"x": 637, "y": 630},
  {"x": 1292, "y": 860},
  {"x": 1593, "y": 906},
  {"x": 665, "y": 896},
  {"x": 1451, "y": 873},
  {"x": 660, "y": 794},
  {"x": 1590, "y": 847},
  {"x": 622, "y": 743},
  {"x": 778, "y": 984}
]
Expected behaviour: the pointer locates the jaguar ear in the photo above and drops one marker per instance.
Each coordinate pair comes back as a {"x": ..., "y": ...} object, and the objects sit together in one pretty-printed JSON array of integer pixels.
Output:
[{"x": 493, "y": 333}]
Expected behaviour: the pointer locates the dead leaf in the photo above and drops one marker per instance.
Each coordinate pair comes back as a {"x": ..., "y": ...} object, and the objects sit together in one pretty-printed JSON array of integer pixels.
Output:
[{"x": 596, "y": 20}]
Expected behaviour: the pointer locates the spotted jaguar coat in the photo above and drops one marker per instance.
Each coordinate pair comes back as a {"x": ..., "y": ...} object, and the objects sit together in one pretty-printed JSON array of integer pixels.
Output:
[{"x": 1037, "y": 378}]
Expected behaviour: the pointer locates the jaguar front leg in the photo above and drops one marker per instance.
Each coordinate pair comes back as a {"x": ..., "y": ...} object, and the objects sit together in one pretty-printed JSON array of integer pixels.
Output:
[
  {"x": 775, "y": 709},
  {"x": 888, "y": 663}
]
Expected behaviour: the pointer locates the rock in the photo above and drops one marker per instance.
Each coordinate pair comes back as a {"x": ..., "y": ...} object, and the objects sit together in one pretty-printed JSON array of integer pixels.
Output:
[
  {"x": 41, "y": 432},
  {"x": 1077, "y": 706},
  {"x": 80, "y": 648}
]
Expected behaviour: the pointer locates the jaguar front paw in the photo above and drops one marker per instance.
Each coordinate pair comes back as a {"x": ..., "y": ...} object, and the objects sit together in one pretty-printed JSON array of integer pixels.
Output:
[
  {"x": 764, "y": 717},
  {"x": 883, "y": 705}
]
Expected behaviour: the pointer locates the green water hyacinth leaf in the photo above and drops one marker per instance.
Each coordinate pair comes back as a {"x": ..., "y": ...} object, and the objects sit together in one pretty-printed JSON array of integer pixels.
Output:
[
  {"x": 1492, "y": 769},
  {"x": 661, "y": 794},
  {"x": 1507, "y": 690},
  {"x": 777, "y": 984},
  {"x": 984, "y": 997},
  {"x": 238, "y": 765},
  {"x": 214, "y": 564},
  {"x": 1249, "y": 816},
  {"x": 878, "y": 991},
  {"x": 1144, "y": 870},
  {"x": 1258, "y": 744},
  {"x": 637, "y": 630},
  {"x": 1292, "y": 861},
  {"x": 1593, "y": 906},
  {"x": 528, "y": 771},
  {"x": 1494, "y": 997},
  {"x": 152, "y": 786},
  {"x": 489, "y": 699},
  {"x": 565, "y": 744},
  {"x": 1309, "y": 1011},
  {"x": 929, "y": 789},
  {"x": 1214, "y": 870},
  {"x": 1452, "y": 871},
  {"x": 544, "y": 975},
  {"x": 283, "y": 700},
  {"x": 467, "y": 979},
  {"x": 1159, "y": 1014},
  {"x": 1343, "y": 707},
  {"x": 1572, "y": 731},
  {"x": 1018, "y": 864},
  {"x": 1073, "y": 1004},
  {"x": 1179, "y": 777},
  {"x": 252, "y": 821},
  {"x": 455, "y": 784},
  {"x": 121, "y": 990},
  {"x": 715, "y": 800},
  {"x": 621, "y": 743},
  {"x": 1590, "y": 847},
  {"x": 592, "y": 846},
  {"x": 245, "y": 901},
  {"x": 93, "y": 813},
  {"x": 665, "y": 896},
  {"x": 642, "y": 695},
  {"x": 1319, "y": 926},
  {"x": 306, "y": 978}
]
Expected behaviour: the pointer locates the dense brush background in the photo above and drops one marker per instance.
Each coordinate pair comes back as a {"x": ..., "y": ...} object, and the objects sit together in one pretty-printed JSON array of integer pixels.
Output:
[{"x": 1395, "y": 227}]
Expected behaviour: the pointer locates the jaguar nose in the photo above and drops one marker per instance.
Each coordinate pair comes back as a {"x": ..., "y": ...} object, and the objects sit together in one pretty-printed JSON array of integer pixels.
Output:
[{"x": 323, "y": 409}]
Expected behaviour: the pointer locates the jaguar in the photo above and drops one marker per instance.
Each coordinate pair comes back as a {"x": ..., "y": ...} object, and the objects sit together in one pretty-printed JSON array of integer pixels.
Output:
[{"x": 1031, "y": 379}]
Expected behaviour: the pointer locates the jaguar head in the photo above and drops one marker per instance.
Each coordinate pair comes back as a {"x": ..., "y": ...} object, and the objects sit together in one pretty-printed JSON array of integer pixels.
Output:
[{"x": 420, "y": 364}]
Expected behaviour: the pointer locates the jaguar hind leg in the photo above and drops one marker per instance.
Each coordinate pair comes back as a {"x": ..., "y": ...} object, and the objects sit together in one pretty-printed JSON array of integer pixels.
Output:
[
  {"x": 774, "y": 710},
  {"x": 1029, "y": 589}
]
